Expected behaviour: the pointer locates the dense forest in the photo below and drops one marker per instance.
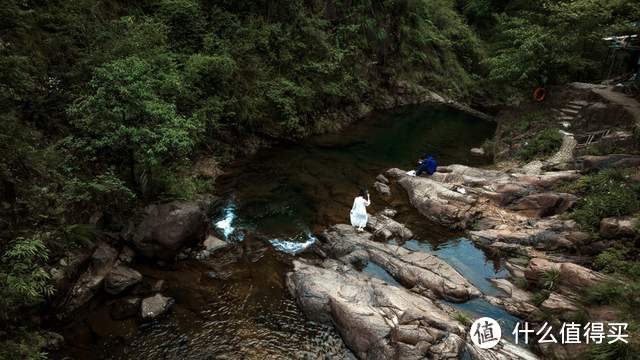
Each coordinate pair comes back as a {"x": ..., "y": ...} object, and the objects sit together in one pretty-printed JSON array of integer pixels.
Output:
[{"x": 106, "y": 104}]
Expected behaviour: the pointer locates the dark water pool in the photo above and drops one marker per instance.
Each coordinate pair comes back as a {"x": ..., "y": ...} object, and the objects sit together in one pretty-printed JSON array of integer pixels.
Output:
[{"x": 236, "y": 305}]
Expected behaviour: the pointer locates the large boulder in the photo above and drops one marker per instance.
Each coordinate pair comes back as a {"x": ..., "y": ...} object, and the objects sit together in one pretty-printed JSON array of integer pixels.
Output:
[
  {"x": 375, "y": 320},
  {"x": 165, "y": 228},
  {"x": 437, "y": 202},
  {"x": 120, "y": 279},
  {"x": 544, "y": 204},
  {"x": 156, "y": 305},
  {"x": 536, "y": 269},
  {"x": 618, "y": 227},
  {"x": 102, "y": 261},
  {"x": 470, "y": 176},
  {"x": 577, "y": 278}
]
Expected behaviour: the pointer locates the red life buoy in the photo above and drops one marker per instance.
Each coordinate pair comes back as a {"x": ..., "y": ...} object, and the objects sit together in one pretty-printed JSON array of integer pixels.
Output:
[{"x": 539, "y": 94}]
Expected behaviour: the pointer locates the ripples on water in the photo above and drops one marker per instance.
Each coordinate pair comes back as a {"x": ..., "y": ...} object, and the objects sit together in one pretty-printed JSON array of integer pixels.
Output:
[
  {"x": 236, "y": 305},
  {"x": 223, "y": 330}
]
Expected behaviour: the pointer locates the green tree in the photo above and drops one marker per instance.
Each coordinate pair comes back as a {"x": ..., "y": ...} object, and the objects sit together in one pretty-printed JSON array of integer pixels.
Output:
[{"x": 129, "y": 115}]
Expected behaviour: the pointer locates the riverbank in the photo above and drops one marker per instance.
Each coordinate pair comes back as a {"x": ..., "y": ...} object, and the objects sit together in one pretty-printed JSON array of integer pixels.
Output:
[{"x": 562, "y": 210}]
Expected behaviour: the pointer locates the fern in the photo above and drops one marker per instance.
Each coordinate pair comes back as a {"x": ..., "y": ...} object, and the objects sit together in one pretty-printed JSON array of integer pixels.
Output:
[{"x": 23, "y": 280}]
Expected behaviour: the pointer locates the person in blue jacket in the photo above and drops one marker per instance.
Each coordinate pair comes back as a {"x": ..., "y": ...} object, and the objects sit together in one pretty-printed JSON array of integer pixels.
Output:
[{"x": 427, "y": 164}]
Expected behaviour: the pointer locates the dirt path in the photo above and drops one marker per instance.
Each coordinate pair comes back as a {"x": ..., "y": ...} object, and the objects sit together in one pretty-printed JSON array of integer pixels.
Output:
[{"x": 629, "y": 103}]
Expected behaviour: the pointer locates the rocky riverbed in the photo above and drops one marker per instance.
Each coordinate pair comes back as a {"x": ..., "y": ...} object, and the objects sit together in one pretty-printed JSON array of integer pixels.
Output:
[{"x": 414, "y": 307}]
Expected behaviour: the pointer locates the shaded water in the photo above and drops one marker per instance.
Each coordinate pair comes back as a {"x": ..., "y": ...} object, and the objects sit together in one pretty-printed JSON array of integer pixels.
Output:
[{"x": 236, "y": 305}]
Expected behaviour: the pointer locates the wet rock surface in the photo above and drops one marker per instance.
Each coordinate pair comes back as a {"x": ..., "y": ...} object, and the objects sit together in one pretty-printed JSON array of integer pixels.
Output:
[
  {"x": 382, "y": 189},
  {"x": 120, "y": 279},
  {"x": 89, "y": 283},
  {"x": 153, "y": 307},
  {"x": 423, "y": 272},
  {"x": 375, "y": 320},
  {"x": 386, "y": 228},
  {"x": 165, "y": 228},
  {"x": 437, "y": 201}
]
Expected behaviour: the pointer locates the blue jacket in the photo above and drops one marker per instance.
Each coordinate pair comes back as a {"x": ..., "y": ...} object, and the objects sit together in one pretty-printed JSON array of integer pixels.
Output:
[{"x": 428, "y": 165}]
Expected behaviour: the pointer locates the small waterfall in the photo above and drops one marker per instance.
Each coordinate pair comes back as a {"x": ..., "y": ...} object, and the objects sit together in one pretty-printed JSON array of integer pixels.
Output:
[
  {"x": 294, "y": 245},
  {"x": 226, "y": 224}
]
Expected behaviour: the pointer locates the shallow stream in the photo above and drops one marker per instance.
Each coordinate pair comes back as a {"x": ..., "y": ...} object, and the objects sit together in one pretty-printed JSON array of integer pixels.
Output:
[{"x": 236, "y": 305}]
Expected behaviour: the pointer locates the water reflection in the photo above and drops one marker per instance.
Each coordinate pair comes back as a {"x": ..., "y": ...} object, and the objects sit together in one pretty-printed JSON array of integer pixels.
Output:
[{"x": 236, "y": 305}]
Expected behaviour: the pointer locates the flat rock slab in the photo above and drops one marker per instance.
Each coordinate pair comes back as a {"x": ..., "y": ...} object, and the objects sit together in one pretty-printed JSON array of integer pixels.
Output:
[
  {"x": 421, "y": 271},
  {"x": 375, "y": 320},
  {"x": 212, "y": 243},
  {"x": 386, "y": 228},
  {"x": 544, "y": 234},
  {"x": 544, "y": 204}
]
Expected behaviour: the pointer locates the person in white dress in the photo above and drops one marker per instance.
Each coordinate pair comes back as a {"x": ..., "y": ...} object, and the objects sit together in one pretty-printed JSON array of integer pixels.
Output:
[{"x": 359, "y": 215}]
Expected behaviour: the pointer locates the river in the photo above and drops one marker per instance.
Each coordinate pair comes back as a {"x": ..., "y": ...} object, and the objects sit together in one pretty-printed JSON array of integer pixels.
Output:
[{"x": 236, "y": 305}]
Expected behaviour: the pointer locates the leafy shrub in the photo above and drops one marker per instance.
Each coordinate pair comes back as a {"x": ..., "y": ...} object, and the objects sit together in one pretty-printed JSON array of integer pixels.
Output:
[
  {"x": 489, "y": 147},
  {"x": 550, "y": 279},
  {"x": 608, "y": 193},
  {"x": 462, "y": 318},
  {"x": 618, "y": 261},
  {"x": 521, "y": 283},
  {"x": 539, "y": 297},
  {"x": 615, "y": 351},
  {"x": 81, "y": 197},
  {"x": 23, "y": 280},
  {"x": 178, "y": 183},
  {"x": 24, "y": 344},
  {"x": 545, "y": 143}
]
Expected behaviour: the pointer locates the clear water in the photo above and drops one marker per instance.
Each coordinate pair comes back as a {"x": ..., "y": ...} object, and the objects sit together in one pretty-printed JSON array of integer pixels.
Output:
[
  {"x": 236, "y": 305},
  {"x": 288, "y": 192},
  {"x": 470, "y": 261},
  {"x": 376, "y": 271},
  {"x": 476, "y": 267}
]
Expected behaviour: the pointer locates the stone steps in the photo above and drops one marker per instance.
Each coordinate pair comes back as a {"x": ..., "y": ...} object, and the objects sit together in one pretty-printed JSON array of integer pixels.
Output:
[
  {"x": 580, "y": 103},
  {"x": 569, "y": 111}
]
